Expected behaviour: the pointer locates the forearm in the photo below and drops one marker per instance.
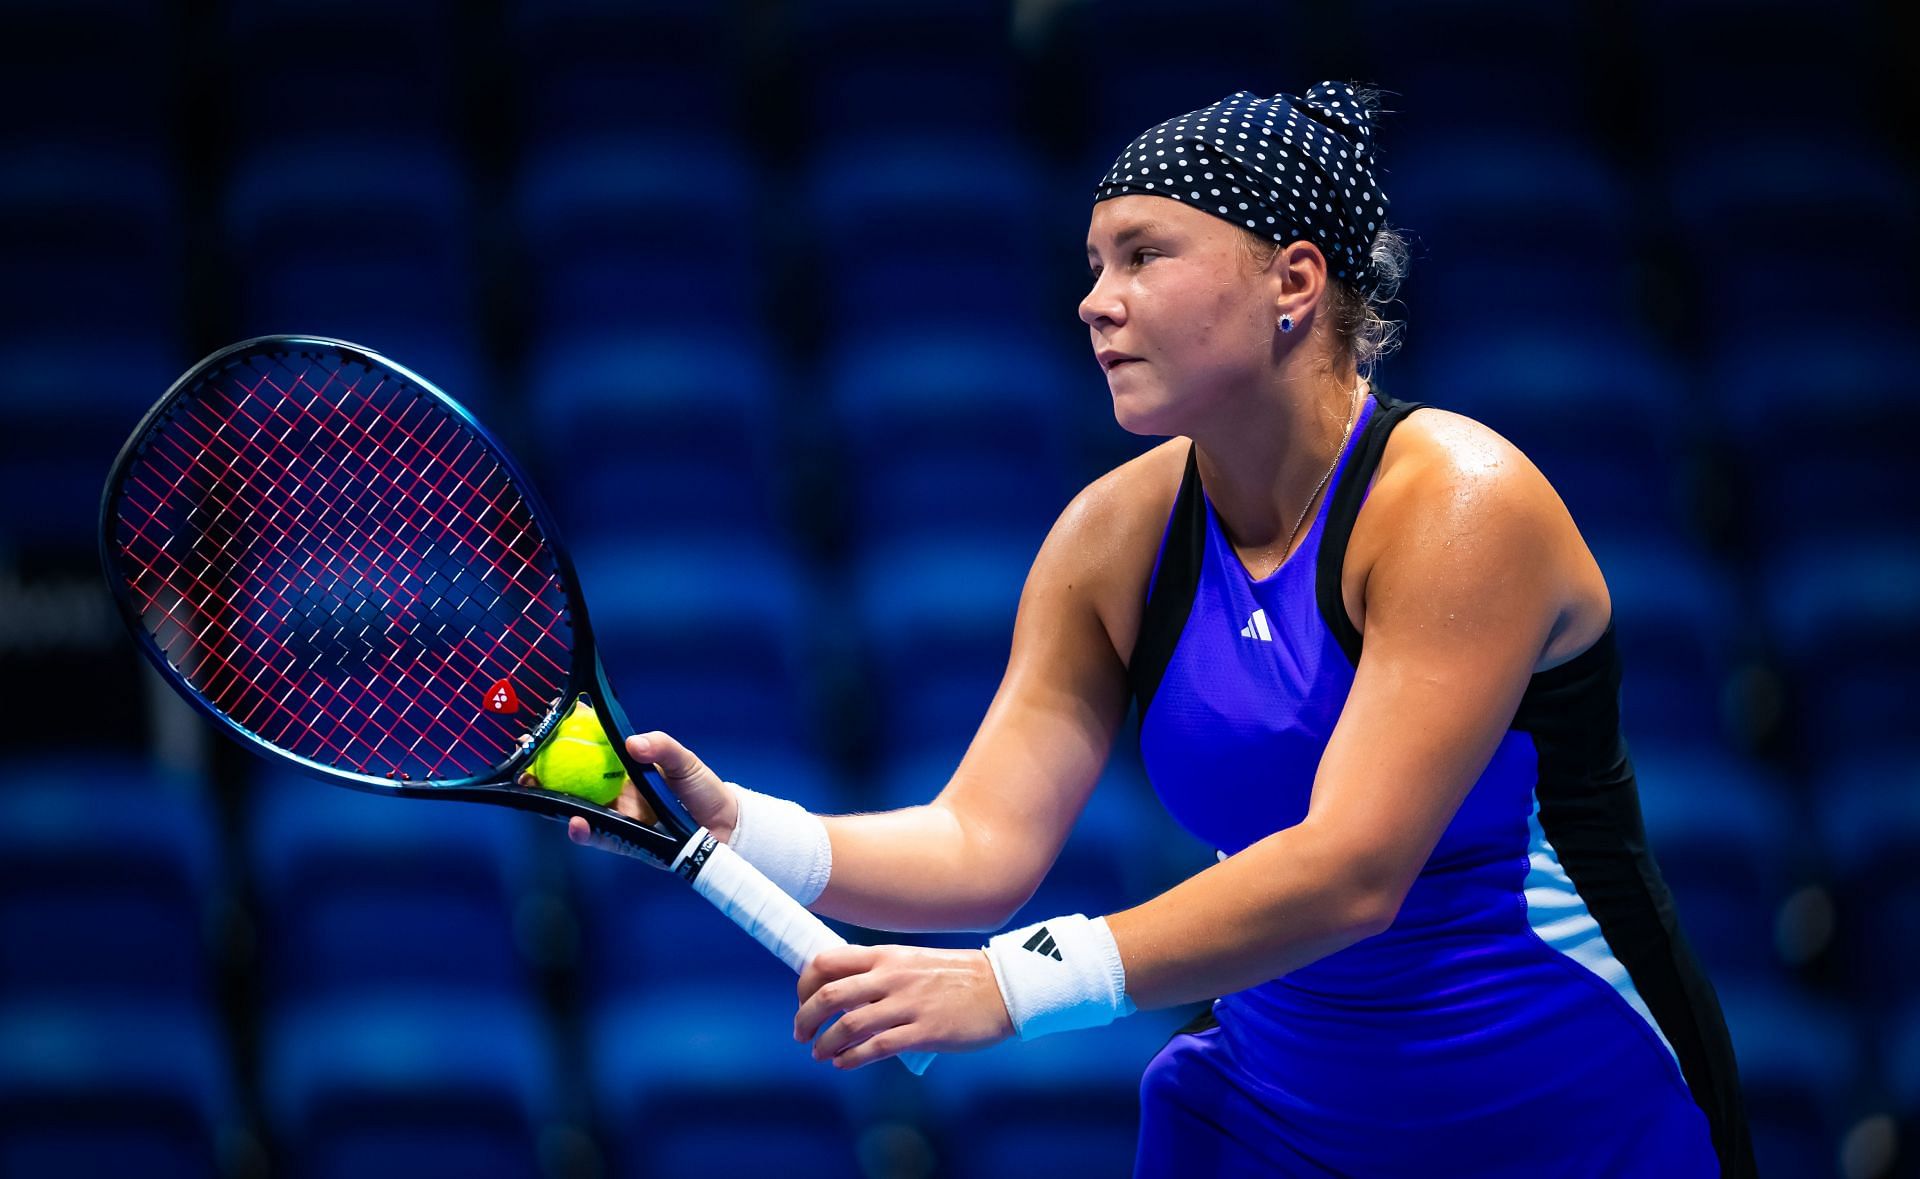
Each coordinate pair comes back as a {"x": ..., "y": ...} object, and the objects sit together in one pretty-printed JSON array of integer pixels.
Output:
[
  {"x": 918, "y": 868},
  {"x": 1284, "y": 902}
]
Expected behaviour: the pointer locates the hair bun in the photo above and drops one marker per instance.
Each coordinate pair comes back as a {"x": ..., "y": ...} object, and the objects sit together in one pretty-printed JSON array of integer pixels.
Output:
[{"x": 1339, "y": 102}]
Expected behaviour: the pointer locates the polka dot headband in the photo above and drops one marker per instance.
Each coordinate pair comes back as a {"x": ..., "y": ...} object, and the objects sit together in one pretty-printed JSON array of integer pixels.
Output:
[{"x": 1290, "y": 168}]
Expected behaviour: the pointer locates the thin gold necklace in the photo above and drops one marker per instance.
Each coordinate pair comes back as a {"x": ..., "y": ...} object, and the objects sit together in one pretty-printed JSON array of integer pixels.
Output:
[{"x": 1353, "y": 408}]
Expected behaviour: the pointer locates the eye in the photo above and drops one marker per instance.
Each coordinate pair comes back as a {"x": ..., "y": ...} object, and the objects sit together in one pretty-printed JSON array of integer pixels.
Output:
[{"x": 1139, "y": 255}]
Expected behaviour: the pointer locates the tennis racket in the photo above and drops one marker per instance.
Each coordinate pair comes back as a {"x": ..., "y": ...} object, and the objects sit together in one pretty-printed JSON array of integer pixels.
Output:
[{"x": 340, "y": 567}]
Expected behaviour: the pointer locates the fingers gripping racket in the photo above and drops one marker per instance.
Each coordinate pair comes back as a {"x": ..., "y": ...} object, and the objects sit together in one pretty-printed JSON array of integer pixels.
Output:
[{"x": 340, "y": 567}]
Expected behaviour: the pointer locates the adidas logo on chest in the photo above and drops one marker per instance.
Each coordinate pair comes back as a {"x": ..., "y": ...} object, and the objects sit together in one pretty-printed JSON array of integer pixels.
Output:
[{"x": 1256, "y": 628}]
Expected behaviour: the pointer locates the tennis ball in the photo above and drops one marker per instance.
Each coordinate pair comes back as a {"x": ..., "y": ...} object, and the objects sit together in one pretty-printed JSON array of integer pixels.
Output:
[{"x": 579, "y": 760}]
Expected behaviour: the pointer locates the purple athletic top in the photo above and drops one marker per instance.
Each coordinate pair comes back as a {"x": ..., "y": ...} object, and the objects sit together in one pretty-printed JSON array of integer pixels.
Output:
[{"x": 1494, "y": 1019}]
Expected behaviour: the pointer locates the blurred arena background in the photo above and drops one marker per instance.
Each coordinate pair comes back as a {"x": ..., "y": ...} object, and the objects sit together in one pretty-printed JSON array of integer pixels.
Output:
[{"x": 777, "y": 298}]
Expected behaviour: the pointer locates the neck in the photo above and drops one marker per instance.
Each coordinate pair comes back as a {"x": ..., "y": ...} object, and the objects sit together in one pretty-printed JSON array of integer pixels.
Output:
[{"x": 1261, "y": 467}]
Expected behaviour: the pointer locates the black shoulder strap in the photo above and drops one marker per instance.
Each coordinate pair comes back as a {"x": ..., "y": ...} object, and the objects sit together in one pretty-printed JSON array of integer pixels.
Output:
[
  {"x": 1170, "y": 599},
  {"x": 1342, "y": 513}
]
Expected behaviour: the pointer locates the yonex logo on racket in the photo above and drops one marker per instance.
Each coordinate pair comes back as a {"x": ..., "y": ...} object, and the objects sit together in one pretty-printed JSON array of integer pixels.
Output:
[
  {"x": 501, "y": 698},
  {"x": 1042, "y": 943}
]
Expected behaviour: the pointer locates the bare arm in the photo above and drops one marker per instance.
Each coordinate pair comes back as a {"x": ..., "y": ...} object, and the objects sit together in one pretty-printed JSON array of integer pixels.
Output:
[
  {"x": 1458, "y": 608},
  {"x": 973, "y": 855}
]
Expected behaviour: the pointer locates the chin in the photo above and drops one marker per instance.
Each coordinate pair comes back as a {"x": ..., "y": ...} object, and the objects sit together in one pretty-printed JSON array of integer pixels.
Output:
[{"x": 1146, "y": 420}]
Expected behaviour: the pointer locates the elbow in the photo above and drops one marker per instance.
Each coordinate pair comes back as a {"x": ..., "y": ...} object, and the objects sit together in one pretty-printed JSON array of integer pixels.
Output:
[
  {"x": 1366, "y": 885},
  {"x": 997, "y": 879},
  {"x": 998, "y": 912},
  {"x": 984, "y": 916},
  {"x": 1370, "y": 897},
  {"x": 1372, "y": 911}
]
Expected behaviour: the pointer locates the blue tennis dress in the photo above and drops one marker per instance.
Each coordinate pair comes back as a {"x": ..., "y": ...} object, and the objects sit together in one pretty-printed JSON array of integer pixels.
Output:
[{"x": 1533, "y": 1010}]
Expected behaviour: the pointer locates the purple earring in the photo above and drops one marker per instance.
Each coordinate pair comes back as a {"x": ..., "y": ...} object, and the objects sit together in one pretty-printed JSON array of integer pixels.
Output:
[{"x": 1286, "y": 323}]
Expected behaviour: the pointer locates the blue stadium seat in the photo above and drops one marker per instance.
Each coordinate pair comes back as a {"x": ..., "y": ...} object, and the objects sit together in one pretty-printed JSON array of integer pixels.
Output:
[
  {"x": 1195, "y": 65},
  {"x": 645, "y": 232},
  {"x": 439, "y": 1082},
  {"x": 1703, "y": 61},
  {"x": 807, "y": 780},
  {"x": 105, "y": 861},
  {"x": 1846, "y": 617},
  {"x": 586, "y": 68},
  {"x": 1810, "y": 431},
  {"x": 1063, "y": 1104},
  {"x": 883, "y": 54},
  {"x": 1463, "y": 292},
  {"x": 639, "y": 928},
  {"x": 709, "y": 639},
  {"x": 638, "y": 925},
  {"x": 1603, "y": 418},
  {"x": 1730, "y": 844},
  {"x": 660, "y": 435},
  {"x": 1678, "y": 639},
  {"x": 850, "y": 30},
  {"x": 95, "y": 72},
  {"x": 907, "y": 226},
  {"x": 1771, "y": 185},
  {"x": 684, "y": 1069},
  {"x": 1528, "y": 231},
  {"x": 1900, "y": 1065},
  {"x": 1126, "y": 815},
  {"x": 69, "y": 406},
  {"x": 1545, "y": 83},
  {"x": 951, "y": 434},
  {"x": 297, "y": 71},
  {"x": 938, "y": 624},
  {"x": 89, "y": 242},
  {"x": 1510, "y": 194},
  {"x": 1869, "y": 820},
  {"x": 866, "y": 96},
  {"x": 363, "y": 240},
  {"x": 138, "y": 1086},
  {"x": 359, "y": 892},
  {"x": 1798, "y": 1059}
]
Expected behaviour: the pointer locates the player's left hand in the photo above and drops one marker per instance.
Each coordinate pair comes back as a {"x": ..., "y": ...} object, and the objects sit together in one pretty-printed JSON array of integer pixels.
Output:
[{"x": 898, "y": 998}]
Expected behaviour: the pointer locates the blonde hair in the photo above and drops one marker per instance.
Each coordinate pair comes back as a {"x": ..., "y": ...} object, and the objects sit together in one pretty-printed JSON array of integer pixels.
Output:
[{"x": 1361, "y": 333}]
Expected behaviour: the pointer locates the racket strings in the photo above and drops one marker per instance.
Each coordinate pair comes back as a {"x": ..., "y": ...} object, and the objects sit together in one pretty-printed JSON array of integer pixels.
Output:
[
  {"x": 341, "y": 565},
  {"x": 336, "y": 500}
]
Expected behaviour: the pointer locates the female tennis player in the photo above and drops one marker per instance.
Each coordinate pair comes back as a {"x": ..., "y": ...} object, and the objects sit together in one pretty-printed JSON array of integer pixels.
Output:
[{"x": 1376, "y": 669}]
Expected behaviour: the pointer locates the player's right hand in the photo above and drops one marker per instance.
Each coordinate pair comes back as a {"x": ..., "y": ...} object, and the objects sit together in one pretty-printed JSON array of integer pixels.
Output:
[{"x": 710, "y": 801}]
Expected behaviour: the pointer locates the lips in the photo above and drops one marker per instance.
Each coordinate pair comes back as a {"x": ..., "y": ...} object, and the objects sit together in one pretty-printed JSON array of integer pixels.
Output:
[{"x": 1113, "y": 360}]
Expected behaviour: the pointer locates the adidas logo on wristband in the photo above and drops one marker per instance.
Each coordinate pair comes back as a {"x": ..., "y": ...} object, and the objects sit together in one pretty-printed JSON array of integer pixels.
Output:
[
  {"x": 1085, "y": 991},
  {"x": 1042, "y": 943}
]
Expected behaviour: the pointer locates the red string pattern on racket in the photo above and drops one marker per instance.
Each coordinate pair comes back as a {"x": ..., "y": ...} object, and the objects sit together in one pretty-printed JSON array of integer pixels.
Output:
[{"x": 340, "y": 565}]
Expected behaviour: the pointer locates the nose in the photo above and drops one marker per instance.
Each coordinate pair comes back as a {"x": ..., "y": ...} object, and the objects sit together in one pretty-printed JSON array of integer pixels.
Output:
[{"x": 1100, "y": 303}]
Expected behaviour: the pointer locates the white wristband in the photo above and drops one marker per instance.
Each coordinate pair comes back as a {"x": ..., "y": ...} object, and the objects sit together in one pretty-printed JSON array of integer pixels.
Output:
[
  {"x": 1061, "y": 974},
  {"x": 784, "y": 841}
]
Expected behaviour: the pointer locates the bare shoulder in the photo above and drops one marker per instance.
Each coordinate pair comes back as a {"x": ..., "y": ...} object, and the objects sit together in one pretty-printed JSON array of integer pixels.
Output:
[
  {"x": 1106, "y": 539},
  {"x": 1437, "y": 449},
  {"x": 1448, "y": 472}
]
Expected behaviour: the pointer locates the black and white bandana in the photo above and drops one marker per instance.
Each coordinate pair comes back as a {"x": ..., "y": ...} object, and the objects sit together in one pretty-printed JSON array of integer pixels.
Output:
[{"x": 1290, "y": 168}]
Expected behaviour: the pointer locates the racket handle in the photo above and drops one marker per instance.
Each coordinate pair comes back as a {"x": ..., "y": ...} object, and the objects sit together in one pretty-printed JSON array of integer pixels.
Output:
[{"x": 775, "y": 920}]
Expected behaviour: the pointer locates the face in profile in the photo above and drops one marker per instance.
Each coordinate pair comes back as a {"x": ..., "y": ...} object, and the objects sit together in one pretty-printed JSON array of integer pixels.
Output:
[{"x": 1173, "y": 287}]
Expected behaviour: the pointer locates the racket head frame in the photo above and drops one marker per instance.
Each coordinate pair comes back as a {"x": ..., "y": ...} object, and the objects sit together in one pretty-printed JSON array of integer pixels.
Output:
[{"x": 586, "y": 677}]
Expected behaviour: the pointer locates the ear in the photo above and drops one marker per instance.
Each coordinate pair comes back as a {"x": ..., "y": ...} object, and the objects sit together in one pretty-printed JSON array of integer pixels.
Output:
[{"x": 1301, "y": 270}]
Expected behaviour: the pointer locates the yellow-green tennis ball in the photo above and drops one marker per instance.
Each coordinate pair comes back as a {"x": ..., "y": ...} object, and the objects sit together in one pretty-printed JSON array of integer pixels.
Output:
[{"x": 579, "y": 760}]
